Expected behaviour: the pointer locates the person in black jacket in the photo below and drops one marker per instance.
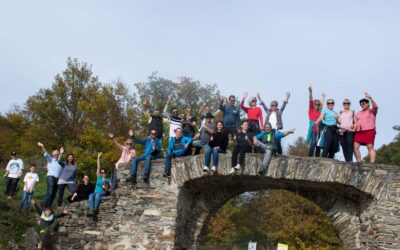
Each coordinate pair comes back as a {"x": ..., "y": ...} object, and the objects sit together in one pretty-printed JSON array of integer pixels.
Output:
[
  {"x": 83, "y": 191},
  {"x": 217, "y": 144},
  {"x": 48, "y": 221},
  {"x": 242, "y": 145}
]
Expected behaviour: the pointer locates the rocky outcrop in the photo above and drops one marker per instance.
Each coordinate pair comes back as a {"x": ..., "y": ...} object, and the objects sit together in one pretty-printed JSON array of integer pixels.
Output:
[{"x": 362, "y": 201}]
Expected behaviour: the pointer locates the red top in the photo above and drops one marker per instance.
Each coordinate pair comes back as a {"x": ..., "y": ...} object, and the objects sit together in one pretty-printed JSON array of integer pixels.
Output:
[
  {"x": 366, "y": 119},
  {"x": 313, "y": 114},
  {"x": 253, "y": 113}
]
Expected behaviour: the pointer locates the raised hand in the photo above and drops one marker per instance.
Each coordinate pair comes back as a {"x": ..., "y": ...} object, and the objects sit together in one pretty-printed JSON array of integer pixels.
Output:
[
  {"x": 291, "y": 131},
  {"x": 145, "y": 102},
  {"x": 258, "y": 96},
  {"x": 222, "y": 98},
  {"x": 287, "y": 95},
  {"x": 245, "y": 95},
  {"x": 168, "y": 100},
  {"x": 62, "y": 150},
  {"x": 40, "y": 144},
  {"x": 130, "y": 132},
  {"x": 367, "y": 95},
  {"x": 99, "y": 155},
  {"x": 310, "y": 88},
  {"x": 111, "y": 135}
]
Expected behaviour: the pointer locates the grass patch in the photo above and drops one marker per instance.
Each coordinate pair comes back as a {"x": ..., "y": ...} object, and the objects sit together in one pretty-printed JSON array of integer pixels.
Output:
[{"x": 13, "y": 224}]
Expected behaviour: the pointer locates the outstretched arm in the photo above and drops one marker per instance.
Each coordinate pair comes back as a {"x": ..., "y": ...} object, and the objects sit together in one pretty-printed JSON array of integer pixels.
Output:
[
  {"x": 291, "y": 131},
  {"x": 98, "y": 163},
  {"x": 373, "y": 103},
  {"x": 111, "y": 135},
  {"x": 42, "y": 147},
  {"x": 165, "y": 110},
  {"x": 310, "y": 93},
  {"x": 262, "y": 103},
  {"x": 323, "y": 100},
  {"x": 200, "y": 111},
  {"x": 245, "y": 109}
]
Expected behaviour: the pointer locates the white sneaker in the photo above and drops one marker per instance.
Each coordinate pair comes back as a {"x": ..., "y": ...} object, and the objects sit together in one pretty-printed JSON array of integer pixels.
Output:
[
  {"x": 232, "y": 171},
  {"x": 213, "y": 168},
  {"x": 205, "y": 169},
  {"x": 237, "y": 167}
]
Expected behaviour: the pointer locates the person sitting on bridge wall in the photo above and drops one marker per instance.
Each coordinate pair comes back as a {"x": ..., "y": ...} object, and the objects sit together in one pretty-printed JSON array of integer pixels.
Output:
[
  {"x": 152, "y": 147},
  {"x": 205, "y": 133},
  {"x": 103, "y": 187},
  {"x": 83, "y": 191},
  {"x": 242, "y": 145},
  {"x": 366, "y": 128},
  {"x": 178, "y": 146},
  {"x": 127, "y": 153},
  {"x": 218, "y": 144},
  {"x": 267, "y": 140}
]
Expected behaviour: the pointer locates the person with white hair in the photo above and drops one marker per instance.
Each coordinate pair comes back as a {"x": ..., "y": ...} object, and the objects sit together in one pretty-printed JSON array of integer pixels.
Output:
[{"x": 54, "y": 169}]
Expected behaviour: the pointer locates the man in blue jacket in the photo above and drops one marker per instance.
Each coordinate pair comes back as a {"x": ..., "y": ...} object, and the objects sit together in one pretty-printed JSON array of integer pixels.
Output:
[
  {"x": 178, "y": 146},
  {"x": 152, "y": 146}
]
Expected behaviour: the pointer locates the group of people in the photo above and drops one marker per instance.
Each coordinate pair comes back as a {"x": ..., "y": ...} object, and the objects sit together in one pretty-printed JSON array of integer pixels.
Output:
[
  {"x": 188, "y": 135},
  {"x": 328, "y": 129}
]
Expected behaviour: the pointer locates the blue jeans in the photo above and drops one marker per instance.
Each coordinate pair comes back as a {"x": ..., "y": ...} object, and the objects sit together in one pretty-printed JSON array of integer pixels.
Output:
[
  {"x": 278, "y": 143},
  {"x": 214, "y": 152},
  {"x": 314, "y": 150},
  {"x": 52, "y": 186},
  {"x": 25, "y": 197},
  {"x": 95, "y": 200},
  {"x": 147, "y": 165},
  {"x": 168, "y": 160}
]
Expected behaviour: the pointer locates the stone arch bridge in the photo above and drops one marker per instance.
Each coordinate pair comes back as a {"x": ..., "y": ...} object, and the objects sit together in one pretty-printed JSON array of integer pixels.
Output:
[{"x": 362, "y": 201}]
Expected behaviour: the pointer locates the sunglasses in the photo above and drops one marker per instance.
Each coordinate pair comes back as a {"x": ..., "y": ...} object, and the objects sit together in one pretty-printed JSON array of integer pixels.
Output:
[
  {"x": 317, "y": 104},
  {"x": 232, "y": 100},
  {"x": 274, "y": 105},
  {"x": 128, "y": 143},
  {"x": 330, "y": 103},
  {"x": 153, "y": 133},
  {"x": 102, "y": 172},
  {"x": 363, "y": 103},
  {"x": 346, "y": 103}
]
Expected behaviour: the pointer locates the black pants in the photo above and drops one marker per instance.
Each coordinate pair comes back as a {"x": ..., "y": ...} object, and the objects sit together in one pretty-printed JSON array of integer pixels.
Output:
[
  {"x": 241, "y": 151},
  {"x": 347, "y": 143},
  {"x": 331, "y": 142},
  {"x": 278, "y": 143},
  {"x": 11, "y": 186}
]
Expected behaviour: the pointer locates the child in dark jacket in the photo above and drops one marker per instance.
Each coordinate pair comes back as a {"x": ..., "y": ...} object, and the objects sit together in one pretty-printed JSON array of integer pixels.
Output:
[{"x": 48, "y": 221}]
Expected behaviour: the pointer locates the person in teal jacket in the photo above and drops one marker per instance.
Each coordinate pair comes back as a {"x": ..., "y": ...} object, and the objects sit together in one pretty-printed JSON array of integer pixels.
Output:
[
  {"x": 178, "y": 146},
  {"x": 267, "y": 140},
  {"x": 152, "y": 147}
]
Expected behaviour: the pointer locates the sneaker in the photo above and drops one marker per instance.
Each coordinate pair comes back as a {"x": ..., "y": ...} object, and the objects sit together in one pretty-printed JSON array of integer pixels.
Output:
[
  {"x": 213, "y": 168},
  {"x": 95, "y": 212},
  {"x": 9, "y": 197},
  {"x": 237, "y": 167},
  {"x": 205, "y": 169},
  {"x": 146, "y": 180},
  {"x": 232, "y": 171},
  {"x": 166, "y": 175}
]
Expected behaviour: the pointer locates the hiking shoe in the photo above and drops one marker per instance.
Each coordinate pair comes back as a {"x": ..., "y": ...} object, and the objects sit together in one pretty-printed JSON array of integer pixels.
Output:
[
  {"x": 237, "y": 167},
  {"x": 205, "y": 169},
  {"x": 166, "y": 175},
  {"x": 89, "y": 212},
  {"x": 95, "y": 212},
  {"x": 213, "y": 169},
  {"x": 132, "y": 179},
  {"x": 232, "y": 171},
  {"x": 146, "y": 180}
]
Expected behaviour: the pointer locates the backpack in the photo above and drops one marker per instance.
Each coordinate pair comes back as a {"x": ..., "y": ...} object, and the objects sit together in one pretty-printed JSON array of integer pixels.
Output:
[{"x": 106, "y": 187}]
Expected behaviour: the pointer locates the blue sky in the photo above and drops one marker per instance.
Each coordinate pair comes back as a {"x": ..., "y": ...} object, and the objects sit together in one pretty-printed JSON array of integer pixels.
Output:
[{"x": 342, "y": 47}]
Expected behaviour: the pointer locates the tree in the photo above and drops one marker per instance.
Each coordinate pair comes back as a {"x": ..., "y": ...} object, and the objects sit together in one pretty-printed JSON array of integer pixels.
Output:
[
  {"x": 299, "y": 147},
  {"x": 389, "y": 153}
]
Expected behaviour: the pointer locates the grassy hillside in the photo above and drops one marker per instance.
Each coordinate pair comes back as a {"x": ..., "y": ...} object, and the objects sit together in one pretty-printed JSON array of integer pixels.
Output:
[{"x": 13, "y": 224}]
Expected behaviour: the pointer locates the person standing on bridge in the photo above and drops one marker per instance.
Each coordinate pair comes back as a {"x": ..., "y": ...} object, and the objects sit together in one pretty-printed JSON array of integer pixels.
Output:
[
  {"x": 366, "y": 128},
  {"x": 267, "y": 140},
  {"x": 178, "y": 146},
  {"x": 54, "y": 169},
  {"x": 175, "y": 121},
  {"x": 346, "y": 130},
  {"x": 254, "y": 116},
  {"x": 67, "y": 177},
  {"x": 231, "y": 117},
  {"x": 274, "y": 117},
  {"x": 218, "y": 144},
  {"x": 242, "y": 146},
  {"x": 152, "y": 147},
  {"x": 330, "y": 138},
  {"x": 314, "y": 112}
]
